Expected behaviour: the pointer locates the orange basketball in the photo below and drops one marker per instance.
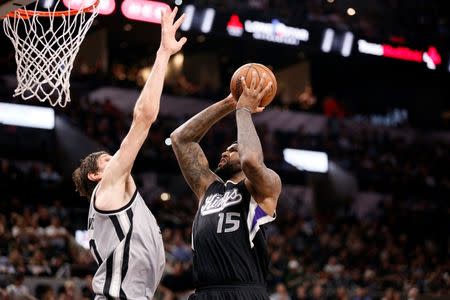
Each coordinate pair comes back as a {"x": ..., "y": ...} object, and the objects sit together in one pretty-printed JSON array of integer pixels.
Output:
[{"x": 246, "y": 72}]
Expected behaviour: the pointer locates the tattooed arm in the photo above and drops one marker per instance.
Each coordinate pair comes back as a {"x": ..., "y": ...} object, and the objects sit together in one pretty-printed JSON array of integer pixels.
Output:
[
  {"x": 263, "y": 183},
  {"x": 185, "y": 144}
]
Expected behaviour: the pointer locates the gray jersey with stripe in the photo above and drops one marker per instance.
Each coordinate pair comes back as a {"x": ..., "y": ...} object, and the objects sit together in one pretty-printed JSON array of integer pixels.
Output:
[{"x": 128, "y": 247}]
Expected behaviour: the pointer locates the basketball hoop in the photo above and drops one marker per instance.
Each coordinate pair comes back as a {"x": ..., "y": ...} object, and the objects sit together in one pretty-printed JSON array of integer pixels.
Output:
[{"x": 46, "y": 44}]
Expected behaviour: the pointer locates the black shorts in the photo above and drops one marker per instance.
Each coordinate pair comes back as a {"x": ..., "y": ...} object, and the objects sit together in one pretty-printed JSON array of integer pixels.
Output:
[{"x": 231, "y": 292}]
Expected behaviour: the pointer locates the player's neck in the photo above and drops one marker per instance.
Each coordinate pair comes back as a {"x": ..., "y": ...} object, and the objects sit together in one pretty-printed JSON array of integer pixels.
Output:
[{"x": 238, "y": 177}]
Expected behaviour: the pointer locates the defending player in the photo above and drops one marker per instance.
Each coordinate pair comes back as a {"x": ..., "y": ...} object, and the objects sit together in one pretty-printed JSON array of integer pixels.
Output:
[
  {"x": 230, "y": 255},
  {"x": 125, "y": 239}
]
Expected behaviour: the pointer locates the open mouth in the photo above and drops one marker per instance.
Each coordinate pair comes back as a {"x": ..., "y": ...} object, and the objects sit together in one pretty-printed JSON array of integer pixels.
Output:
[{"x": 222, "y": 162}]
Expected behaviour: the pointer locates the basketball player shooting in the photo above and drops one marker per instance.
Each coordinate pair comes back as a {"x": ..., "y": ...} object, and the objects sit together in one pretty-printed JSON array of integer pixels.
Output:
[
  {"x": 125, "y": 239},
  {"x": 230, "y": 253}
]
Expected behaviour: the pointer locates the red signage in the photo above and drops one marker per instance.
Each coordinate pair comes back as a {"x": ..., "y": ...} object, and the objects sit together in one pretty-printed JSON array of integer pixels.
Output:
[
  {"x": 431, "y": 57},
  {"x": 235, "y": 26},
  {"x": 143, "y": 10},
  {"x": 402, "y": 53}
]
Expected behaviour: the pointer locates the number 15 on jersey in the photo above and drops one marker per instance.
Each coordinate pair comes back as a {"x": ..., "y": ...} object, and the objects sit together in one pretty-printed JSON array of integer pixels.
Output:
[{"x": 228, "y": 222}]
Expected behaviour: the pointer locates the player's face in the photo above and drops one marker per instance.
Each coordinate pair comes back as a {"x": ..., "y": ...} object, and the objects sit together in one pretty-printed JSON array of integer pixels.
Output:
[
  {"x": 229, "y": 163},
  {"x": 102, "y": 162}
]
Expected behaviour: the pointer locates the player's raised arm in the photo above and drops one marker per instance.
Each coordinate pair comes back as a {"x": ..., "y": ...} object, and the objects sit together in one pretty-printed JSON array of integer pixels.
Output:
[
  {"x": 185, "y": 144},
  {"x": 264, "y": 184},
  {"x": 147, "y": 106}
]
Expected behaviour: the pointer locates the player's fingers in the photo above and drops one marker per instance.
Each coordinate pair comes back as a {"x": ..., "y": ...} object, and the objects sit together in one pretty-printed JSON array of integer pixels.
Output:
[
  {"x": 262, "y": 83},
  {"x": 178, "y": 22},
  {"x": 253, "y": 82},
  {"x": 260, "y": 109},
  {"x": 243, "y": 83},
  {"x": 182, "y": 41},
  {"x": 173, "y": 13},
  {"x": 265, "y": 91},
  {"x": 163, "y": 16}
]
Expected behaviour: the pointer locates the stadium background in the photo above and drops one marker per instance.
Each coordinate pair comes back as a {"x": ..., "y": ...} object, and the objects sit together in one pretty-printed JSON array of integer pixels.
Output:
[{"x": 374, "y": 226}]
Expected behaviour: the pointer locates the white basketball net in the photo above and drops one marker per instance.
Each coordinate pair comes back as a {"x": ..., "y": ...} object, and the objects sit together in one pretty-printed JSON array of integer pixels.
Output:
[{"x": 45, "y": 52}]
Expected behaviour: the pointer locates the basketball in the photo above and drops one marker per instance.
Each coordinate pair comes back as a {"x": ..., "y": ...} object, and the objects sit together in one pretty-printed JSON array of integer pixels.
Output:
[{"x": 246, "y": 71}]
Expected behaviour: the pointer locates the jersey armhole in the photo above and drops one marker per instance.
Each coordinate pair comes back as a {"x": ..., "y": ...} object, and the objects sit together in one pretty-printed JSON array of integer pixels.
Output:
[
  {"x": 114, "y": 211},
  {"x": 256, "y": 218}
]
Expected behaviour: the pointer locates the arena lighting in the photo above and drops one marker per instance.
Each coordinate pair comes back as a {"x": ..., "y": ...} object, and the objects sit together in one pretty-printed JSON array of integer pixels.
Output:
[
  {"x": 370, "y": 48},
  {"x": 48, "y": 3},
  {"x": 347, "y": 44},
  {"x": 327, "y": 40},
  {"x": 106, "y": 7},
  {"x": 165, "y": 196},
  {"x": 189, "y": 11},
  {"x": 235, "y": 26},
  {"x": 351, "y": 11},
  {"x": 304, "y": 160},
  {"x": 27, "y": 116},
  {"x": 276, "y": 32},
  {"x": 82, "y": 238},
  {"x": 337, "y": 41},
  {"x": 431, "y": 57},
  {"x": 178, "y": 60},
  {"x": 143, "y": 10},
  {"x": 208, "y": 20},
  {"x": 198, "y": 18}
]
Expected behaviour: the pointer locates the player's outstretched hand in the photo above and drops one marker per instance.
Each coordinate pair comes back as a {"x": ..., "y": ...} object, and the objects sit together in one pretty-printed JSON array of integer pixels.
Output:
[{"x": 169, "y": 29}]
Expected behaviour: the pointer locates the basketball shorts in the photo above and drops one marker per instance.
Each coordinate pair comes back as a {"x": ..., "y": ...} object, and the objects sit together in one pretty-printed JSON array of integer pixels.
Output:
[{"x": 230, "y": 292}]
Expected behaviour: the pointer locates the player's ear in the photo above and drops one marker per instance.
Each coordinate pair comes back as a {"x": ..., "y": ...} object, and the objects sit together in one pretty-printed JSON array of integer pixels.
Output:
[{"x": 94, "y": 176}]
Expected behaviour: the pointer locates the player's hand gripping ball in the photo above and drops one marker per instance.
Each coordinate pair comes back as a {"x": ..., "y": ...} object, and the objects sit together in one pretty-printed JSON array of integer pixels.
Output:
[{"x": 246, "y": 72}]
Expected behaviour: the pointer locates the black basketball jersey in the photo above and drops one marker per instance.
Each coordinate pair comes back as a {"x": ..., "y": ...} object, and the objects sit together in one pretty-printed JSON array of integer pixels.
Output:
[{"x": 228, "y": 243}]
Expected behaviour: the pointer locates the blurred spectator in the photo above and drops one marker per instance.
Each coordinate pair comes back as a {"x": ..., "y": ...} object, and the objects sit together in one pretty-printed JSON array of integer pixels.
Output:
[
  {"x": 56, "y": 233},
  {"x": 38, "y": 266},
  {"x": 361, "y": 294},
  {"x": 17, "y": 290},
  {"x": 45, "y": 292},
  {"x": 67, "y": 292},
  {"x": 86, "y": 292},
  {"x": 178, "y": 282},
  {"x": 332, "y": 107},
  {"x": 281, "y": 293},
  {"x": 413, "y": 293},
  {"x": 318, "y": 292},
  {"x": 342, "y": 293},
  {"x": 301, "y": 293},
  {"x": 16, "y": 260},
  {"x": 332, "y": 267},
  {"x": 48, "y": 175},
  {"x": 307, "y": 99}
]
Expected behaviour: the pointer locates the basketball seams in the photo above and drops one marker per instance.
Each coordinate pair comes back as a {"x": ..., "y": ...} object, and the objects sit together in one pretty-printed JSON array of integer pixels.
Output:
[
  {"x": 272, "y": 78},
  {"x": 265, "y": 70},
  {"x": 257, "y": 72},
  {"x": 246, "y": 74}
]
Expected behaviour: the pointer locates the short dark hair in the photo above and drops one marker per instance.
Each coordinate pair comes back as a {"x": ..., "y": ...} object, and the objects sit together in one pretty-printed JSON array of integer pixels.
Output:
[{"x": 83, "y": 184}]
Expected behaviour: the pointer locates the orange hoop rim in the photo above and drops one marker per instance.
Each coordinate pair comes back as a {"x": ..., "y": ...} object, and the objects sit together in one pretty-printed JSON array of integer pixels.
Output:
[{"x": 25, "y": 14}]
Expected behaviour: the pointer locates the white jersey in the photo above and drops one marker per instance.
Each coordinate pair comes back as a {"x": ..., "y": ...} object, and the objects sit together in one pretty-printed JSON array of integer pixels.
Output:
[{"x": 128, "y": 247}]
